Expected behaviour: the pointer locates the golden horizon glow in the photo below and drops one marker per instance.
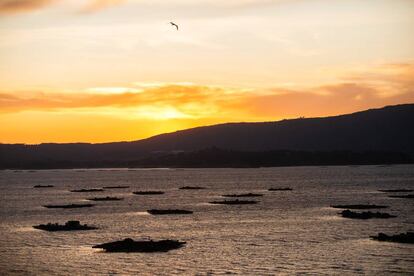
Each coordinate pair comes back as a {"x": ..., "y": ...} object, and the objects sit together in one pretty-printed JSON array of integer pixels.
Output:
[{"x": 113, "y": 70}]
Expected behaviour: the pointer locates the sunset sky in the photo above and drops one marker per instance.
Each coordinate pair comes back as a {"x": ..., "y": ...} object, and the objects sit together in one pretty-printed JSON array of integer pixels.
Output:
[{"x": 116, "y": 70}]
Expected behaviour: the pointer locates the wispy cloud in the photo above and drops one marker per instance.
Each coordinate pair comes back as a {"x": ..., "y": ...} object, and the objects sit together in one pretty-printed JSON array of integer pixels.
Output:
[
  {"x": 393, "y": 79},
  {"x": 10, "y": 7},
  {"x": 96, "y": 5},
  {"x": 18, "y": 6},
  {"x": 387, "y": 84}
]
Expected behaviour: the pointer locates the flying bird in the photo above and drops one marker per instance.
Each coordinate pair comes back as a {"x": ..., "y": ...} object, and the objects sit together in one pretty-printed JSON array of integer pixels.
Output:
[{"x": 175, "y": 25}]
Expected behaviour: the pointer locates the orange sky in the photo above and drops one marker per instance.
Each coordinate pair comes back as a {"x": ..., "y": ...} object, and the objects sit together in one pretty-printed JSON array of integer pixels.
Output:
[{"x": 116, "y": 70}]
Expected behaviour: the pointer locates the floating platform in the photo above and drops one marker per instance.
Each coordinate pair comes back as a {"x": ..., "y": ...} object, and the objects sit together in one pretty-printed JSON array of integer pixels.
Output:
[
  {"x": 108, "y": 198},
  {"x": 116, "y": 187},
  {"x": 71, "y": 225},
  {"x": 145, "y": 246},
  {"x": 365, "y": 215},
  {"x": 43, "y": 186},
  {"x": 359, "y": 206},
  {"x": 234, "y": 202},
  {"x": 401, "y": 196},
  {"x": 400, "y": 238},
  {"x": 69, "y": 206},
  {"x": 191, "y": 188},
  {"x": 86, "y": 190},
  {"x": 169, "y": 212},
  {"x": 243, "y": 195},
  {"x": 148, "y": 193},
  {"x": 396, "y": 191}
]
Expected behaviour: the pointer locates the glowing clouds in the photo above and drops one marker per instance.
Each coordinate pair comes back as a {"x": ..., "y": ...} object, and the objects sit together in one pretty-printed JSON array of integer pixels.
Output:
[
  {"x": 21, "y": 6},
  {"x": 146, "y": 109},
  {"x": 17, "y": 6},
  {"x": 158, "y": 101},
  {"x": 96, "y": 5}
]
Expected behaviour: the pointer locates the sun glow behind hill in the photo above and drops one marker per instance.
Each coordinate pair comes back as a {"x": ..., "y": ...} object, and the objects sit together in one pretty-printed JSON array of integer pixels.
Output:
[{"x": 115, "y": 70}]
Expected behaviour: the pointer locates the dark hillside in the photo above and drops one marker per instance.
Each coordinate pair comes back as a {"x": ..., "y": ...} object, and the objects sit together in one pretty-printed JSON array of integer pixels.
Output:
[{"x": 389, "y": 129}]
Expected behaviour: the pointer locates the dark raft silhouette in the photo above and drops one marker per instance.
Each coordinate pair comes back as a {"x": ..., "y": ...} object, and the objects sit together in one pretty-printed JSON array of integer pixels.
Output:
[
  {"x": 116, "y": 187},
  {"x": 234, "y": 202},
  {"x": 359, "y": 206},
  {"x": 129, "y": 245},
  {"x": 411, "y": 196},
  {"x": 396, "y": 191},
  {"x": 279, "y": 189},
  {"x": 400, "y": 238},
  {"x": 169, "y": 212},
  {"x": 43, "y": 186},
  {"x": 87, "y": 190},
  {"x": 192, "y": 188},
  {"x": 148, "y": 193},
  {"x": 243, "y": 195},
  {"x": 107, "y": 198},
  {"x": 71, "y": 225},
  {"x": 68, "y": 206},
  {"x": 365, "y": 215}
]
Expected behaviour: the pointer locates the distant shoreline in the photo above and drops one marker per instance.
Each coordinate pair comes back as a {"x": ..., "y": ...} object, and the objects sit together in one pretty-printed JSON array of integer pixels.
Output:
[
  {"x": 218, "y": 158},
  {"x": 178, "y": 168}
]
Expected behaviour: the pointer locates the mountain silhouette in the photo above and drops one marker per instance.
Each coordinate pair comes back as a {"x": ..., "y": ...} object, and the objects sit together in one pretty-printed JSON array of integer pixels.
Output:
[{"x": 389, "y": 129}]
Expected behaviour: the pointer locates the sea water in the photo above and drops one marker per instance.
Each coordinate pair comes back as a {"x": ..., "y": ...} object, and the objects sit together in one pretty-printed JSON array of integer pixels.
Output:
[{"x": 287, "y": 232}]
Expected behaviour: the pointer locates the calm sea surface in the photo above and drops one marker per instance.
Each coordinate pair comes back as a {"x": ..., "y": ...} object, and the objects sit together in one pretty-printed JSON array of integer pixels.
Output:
[{"x": 286, "y": 233}]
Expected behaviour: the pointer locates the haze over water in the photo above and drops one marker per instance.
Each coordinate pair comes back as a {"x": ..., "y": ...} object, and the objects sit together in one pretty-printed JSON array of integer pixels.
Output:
[{"x": 286, "y": 233}]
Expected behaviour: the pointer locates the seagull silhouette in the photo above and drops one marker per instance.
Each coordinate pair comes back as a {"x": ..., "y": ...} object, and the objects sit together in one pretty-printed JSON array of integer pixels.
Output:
[{"x": 175, "y": 25}]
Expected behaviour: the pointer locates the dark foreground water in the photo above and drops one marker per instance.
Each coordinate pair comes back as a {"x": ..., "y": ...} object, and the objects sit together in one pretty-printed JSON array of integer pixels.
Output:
[{"x": 286, "y": 233}]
